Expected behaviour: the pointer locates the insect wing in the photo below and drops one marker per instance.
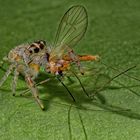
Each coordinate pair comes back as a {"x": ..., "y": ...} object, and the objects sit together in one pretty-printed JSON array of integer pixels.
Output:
[{"x": 71, "y": 29}]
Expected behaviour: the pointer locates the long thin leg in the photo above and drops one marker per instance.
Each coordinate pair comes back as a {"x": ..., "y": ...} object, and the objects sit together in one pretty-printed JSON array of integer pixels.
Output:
[
  {"x": 135, "y": 78},
  {"x": 66, "y": 88},
  {"x": 34, "y": 91},
  {"x": 75, "y": 59},
  {"x": 116, "y": 76},
  {"x": 40, "y": 83},
  {"x": 8, "y": 72},
  {"x": 80, "y": 83},
  {"x": 14, "y": 83}
]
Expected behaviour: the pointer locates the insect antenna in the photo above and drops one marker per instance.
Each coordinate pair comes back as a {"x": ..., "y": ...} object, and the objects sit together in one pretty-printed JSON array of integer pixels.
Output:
[
  {"x": 80, "y": 83},
  {"x": 121, "y": 73},
  {"x": 66, "y": 88}
]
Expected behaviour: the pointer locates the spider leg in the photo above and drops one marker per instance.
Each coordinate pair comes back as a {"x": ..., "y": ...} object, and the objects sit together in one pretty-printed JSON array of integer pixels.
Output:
[
  {"x": 8, "y": 72},
  {"x": 34, "y": 90},
  {"x": 14, "y": 82}
]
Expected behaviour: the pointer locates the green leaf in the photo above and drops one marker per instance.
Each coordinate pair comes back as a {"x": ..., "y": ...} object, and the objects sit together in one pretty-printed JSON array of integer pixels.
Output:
[{"x": 113, "y": 33}]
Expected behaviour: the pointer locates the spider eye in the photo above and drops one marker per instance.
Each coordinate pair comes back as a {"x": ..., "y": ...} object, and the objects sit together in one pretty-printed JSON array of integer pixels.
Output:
[
  {"x": 31, "y": 51},
  {"x": 41, "y": 46},
  {"x": 36, "y": 50}
]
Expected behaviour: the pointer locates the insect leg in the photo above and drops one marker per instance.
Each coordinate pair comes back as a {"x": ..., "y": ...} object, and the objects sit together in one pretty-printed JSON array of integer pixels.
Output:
[
  {"x": 8, "y": 72},
  {"x": 66, "y": 88},
  {"x": 34, "y": 91},
  {"x": 116, "y": 76},
  {"x": 14, "y": 83},
  {"x": 75, "y": 59},
  {"x": 40, "y": 83},
  {"x": 80, "y": 83}
]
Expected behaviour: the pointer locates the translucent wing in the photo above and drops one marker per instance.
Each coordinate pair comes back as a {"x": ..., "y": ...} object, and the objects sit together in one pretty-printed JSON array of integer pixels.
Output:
[{"x": 71, "y": 29}]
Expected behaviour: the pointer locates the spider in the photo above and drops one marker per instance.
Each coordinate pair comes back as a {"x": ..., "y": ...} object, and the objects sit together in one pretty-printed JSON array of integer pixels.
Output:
[{"x": 19, "y": 59}]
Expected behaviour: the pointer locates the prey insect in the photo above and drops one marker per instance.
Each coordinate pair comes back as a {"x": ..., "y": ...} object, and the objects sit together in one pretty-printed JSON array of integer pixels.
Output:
[{"x": 27, "y": 59}]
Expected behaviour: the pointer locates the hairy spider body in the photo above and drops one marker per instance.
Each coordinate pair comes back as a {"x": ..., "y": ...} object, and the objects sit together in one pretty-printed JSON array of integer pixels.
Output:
[{"x": 19, "y": 59}]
